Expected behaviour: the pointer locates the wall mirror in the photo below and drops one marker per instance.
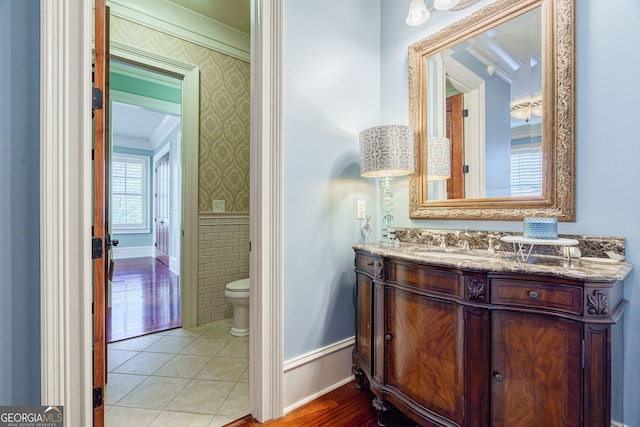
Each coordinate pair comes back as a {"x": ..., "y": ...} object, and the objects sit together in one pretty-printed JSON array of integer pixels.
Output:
[{"x": 499, "y": 85}]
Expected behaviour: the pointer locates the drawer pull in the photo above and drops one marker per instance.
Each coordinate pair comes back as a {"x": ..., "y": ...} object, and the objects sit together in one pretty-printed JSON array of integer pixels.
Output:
[
  {"x": 388, "y": 337},
  {"x": 533, "y": 294},
  {"x": 370, "y": 264},
  {"x": 497, "y": 376}
]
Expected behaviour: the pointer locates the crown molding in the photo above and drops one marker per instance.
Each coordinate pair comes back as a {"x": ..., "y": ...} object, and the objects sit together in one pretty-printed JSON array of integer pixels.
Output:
[
  {"x": 185, "y": 24},
  {"x": 144, "y": 74}
]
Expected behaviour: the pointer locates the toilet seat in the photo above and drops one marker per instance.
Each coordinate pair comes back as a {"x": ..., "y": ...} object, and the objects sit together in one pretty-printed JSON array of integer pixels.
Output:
[{"x": 241, "y": 285}]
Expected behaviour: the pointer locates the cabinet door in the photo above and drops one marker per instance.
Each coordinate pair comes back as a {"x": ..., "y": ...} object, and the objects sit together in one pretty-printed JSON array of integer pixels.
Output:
[
  {"x": 364, "y": 304},
  {"x": 424, "y": 352},
  {"x": 537, "y": 371}
]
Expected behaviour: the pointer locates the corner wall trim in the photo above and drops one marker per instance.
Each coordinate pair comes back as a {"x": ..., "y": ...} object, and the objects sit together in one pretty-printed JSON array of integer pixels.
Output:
[
  {"x": 316, "y": 373},
  {"x": 65, "y": 209},
  {"x": 266, "y": 223}
]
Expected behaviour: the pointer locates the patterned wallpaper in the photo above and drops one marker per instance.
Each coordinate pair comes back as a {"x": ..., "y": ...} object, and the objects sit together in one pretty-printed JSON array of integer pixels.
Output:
[{"x": 224, "y": 113}]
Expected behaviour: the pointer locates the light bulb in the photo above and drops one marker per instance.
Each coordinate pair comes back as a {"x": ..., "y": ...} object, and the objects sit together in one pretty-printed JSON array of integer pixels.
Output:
[{"x": 418, "y": 13}]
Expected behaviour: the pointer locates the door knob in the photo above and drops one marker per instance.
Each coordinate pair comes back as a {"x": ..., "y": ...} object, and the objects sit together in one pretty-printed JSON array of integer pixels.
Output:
[
  {"x": 497, "y": 376},
  {"x": 108, "y": 242},
  {"x": 388, "y": 337}
]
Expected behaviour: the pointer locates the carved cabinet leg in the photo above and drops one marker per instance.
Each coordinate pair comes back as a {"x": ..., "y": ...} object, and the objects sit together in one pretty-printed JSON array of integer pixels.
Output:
[
  {"x": 383, "y": 407},
  {"x": 359, "y": 375}
]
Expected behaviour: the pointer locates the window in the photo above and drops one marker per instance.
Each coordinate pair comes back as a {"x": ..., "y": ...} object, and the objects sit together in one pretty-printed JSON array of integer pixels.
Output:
[
  {"x": 129, "y": 193},
  {"x": 526, "y": 170}
]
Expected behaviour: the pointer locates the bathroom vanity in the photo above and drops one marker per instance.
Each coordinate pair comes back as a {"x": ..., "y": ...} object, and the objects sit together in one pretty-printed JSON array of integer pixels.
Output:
[{"x": 474, "y": 339}]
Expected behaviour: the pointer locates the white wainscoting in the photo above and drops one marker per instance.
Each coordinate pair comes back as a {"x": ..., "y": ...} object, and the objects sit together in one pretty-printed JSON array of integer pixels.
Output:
[
  {"x": 133, "y": 252},
  {"x": 311, "y": 375}
]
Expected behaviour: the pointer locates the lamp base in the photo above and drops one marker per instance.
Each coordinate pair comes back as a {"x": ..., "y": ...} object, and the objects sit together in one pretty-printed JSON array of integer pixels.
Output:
[{"x": 388, "y": 231}]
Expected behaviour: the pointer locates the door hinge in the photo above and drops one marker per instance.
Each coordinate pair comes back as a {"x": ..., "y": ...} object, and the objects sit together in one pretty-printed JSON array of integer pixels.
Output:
[
  {"x": 97, "y": 397},
  {"x": 249, "y": 245},
  {"x": 465, "y": 169},
  {"x": 96, "y": 99},
  {"x": 96, "y": 248},
  {"x": 465, "y": 113}
]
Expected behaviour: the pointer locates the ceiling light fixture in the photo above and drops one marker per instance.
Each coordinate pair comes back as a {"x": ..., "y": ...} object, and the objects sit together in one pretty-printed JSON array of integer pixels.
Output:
[
  {"x": 445, "y": 4},
  {"x": 419, "y": 14},
  {"x": 523, "y": 108}
]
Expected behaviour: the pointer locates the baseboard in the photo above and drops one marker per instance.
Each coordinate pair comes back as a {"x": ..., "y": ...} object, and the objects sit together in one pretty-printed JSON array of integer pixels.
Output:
[
  {"x": 133, "y": 252},
  {"x": 173, "y": 265},
  {"x": 618, "y": 424},
  {"x": 311, "y": 375}
]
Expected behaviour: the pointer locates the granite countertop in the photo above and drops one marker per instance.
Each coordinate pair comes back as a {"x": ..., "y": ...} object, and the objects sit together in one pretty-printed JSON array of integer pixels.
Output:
[{"x": 502, "y": 262}]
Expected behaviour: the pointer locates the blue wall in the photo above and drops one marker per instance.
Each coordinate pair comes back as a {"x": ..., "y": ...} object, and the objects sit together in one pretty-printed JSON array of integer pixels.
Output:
[
  {"x": 20, "y": 207},
  {"x": 331, "y": 93},
  {"x": 607, "y": 143}
]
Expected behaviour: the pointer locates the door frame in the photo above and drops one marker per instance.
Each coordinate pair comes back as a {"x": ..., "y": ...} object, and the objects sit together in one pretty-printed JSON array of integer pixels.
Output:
[
  {"x": 473, "y": 88},
  {"x": 65, "y": 209},
  {"x": 190, "y": 123}
]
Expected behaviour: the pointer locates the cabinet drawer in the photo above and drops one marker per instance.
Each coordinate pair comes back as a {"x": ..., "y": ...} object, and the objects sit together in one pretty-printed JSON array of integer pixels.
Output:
[
  {"x": 369, "y": 264},
  {"x": 527, "y": 293},
  {"x": 425, "y": 278}
]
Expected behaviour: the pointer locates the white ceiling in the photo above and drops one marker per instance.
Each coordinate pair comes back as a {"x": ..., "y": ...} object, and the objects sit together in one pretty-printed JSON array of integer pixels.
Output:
[
  {"x": 138, "y": 127},
  {"x": 234, "y": 13}
]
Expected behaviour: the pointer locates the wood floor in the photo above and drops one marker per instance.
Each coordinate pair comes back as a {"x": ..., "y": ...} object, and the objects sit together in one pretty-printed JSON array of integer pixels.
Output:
[
  {"x": 343, "y": 407},
  {"x": 145, "y": 299}
]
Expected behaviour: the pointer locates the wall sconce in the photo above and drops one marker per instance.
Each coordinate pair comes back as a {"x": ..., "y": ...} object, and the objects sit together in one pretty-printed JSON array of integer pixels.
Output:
[
  {"x": 419, "y": 14},
  {"x": 438, "y": 158},
  {"x": 523, "y": 108},
  {"x": 387, "y": 151}
]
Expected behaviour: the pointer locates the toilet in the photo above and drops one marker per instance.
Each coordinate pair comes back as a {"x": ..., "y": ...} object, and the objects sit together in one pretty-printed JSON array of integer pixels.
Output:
[{"x": 237, "y": 294}]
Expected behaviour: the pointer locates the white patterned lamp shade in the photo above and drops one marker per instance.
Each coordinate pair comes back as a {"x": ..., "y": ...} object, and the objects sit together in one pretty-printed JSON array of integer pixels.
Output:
[
  {"x": 386, "y": 151},
  {"x": 438, "y": 158}
]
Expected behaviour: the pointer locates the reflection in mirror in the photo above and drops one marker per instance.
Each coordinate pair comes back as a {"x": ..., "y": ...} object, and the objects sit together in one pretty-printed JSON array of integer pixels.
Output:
[{"x": 489, "y": 84}]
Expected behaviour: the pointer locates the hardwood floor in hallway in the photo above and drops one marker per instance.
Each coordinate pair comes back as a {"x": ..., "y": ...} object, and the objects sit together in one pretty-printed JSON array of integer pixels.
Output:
[
  {"x": 145, "y": 299},
  {"x": 342, "y": 407}
]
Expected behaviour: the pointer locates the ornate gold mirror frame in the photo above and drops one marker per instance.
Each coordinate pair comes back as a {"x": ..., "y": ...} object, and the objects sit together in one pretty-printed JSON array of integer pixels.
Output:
[{"x": 558, "y": 116}]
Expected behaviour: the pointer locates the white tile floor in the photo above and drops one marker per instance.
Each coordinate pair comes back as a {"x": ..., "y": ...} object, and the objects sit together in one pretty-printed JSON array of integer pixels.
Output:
[{"x": 182, "y": 377}]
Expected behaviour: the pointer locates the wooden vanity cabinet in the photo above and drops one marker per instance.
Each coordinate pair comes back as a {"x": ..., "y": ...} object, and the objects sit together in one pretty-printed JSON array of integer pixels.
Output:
[
  {"x": 451, "y": 347},
  {"x": 367, "y": 268},
  {"x": 536, "y": 370}
]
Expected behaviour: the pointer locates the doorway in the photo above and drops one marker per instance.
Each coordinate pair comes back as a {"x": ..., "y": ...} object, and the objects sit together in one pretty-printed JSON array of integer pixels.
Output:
[{"x": 145, "y": 193}]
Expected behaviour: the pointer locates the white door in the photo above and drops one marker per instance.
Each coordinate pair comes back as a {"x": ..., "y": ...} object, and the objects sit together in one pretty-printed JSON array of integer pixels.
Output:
[{"x": 162, "y": 208}]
